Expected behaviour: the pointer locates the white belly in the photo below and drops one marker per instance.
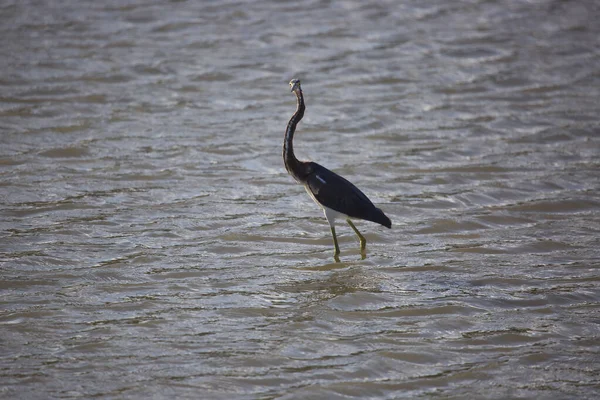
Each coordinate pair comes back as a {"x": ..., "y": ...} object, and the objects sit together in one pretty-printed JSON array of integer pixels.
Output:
[{"x": 330, "y": 214}]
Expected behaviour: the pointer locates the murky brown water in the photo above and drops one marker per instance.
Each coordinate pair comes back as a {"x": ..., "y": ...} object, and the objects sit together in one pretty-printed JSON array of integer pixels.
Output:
[{"x": 153, "y": 246}]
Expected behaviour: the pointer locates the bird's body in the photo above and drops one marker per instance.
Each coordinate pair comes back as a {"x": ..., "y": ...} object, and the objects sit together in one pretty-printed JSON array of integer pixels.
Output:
[
  {"x": 331, "y": 191},
  {"x": 336, "y": 195}
]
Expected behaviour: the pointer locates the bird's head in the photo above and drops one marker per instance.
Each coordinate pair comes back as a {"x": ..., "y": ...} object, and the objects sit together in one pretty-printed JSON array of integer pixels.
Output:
[{"x": 295, "y": 85}]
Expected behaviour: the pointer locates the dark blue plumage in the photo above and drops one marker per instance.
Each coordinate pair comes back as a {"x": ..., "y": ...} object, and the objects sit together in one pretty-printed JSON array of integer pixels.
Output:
[{"x": 337, "y": 193}]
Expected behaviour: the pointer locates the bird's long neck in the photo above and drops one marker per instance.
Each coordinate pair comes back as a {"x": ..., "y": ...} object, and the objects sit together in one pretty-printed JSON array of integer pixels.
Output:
[{"x": 292, "y": 164}]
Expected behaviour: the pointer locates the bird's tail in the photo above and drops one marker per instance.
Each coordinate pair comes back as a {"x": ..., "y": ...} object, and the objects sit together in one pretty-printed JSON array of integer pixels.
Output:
[{"x": 379, "y": 217}]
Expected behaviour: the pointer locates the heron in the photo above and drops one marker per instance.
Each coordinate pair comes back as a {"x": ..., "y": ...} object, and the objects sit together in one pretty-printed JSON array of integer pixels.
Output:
[{"x": 335, "y": 195}]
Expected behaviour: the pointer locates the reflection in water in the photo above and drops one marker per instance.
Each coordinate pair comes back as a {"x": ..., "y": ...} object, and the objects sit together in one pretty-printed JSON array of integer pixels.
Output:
[{"x": 152, "y": 244}]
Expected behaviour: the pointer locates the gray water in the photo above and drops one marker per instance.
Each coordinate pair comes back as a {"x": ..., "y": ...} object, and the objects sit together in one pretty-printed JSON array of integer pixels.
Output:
[{"x": 152, "y": 244}]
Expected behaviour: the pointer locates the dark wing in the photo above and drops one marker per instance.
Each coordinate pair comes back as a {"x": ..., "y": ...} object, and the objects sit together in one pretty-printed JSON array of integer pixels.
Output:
[{"x": 335, "y": 192}]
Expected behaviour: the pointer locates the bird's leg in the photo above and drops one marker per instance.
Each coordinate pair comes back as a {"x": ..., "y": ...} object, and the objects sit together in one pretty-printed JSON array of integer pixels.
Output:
[
  {"x": 363, "y": 241},
  {"x": 335, "y": 244}
]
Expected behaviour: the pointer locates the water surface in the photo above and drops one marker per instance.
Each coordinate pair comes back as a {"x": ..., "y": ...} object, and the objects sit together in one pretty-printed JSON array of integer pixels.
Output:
[{"x": 152, "y": 244}]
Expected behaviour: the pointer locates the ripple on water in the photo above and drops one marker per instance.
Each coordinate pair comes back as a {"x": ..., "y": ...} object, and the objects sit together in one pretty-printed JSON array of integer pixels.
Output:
[{"x": 152, "y": 244}]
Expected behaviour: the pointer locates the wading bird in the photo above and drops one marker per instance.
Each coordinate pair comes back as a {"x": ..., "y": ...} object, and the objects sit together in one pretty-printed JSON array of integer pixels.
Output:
[{"x": 334, "y": 194}]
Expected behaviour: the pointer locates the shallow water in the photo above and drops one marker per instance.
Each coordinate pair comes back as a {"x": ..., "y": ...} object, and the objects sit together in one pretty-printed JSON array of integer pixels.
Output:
[{"x": 153, "y": 246}]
